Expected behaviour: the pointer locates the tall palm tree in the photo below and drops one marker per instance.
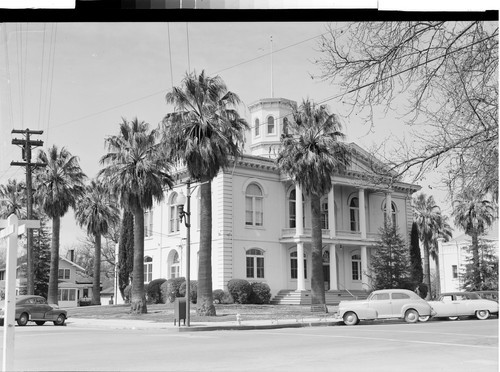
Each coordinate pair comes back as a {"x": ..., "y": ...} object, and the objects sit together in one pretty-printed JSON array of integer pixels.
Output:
[
  {"x": 310, "y": 155},
  {"x": 13, "y": 199},
  {"x": 474, "y": 215},
  {"x": 445, "y": 232},
  {"x": 57, "y": 187},
  {"x": 137, "y": 175},
  {"x": 427, "y": 216},
  {"x": 97, "y": 211},
  {"x": 204, "y": 132}
]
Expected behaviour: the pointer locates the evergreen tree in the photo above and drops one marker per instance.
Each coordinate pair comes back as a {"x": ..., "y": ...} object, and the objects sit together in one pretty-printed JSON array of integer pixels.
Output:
[
  {"x": 41, "y": 258},
  {"x": 488, "y": 269},
  {"x": 390, "y": 264},
  {"x": 417, "y": 272},
  {"x": 126, "y": 251}
]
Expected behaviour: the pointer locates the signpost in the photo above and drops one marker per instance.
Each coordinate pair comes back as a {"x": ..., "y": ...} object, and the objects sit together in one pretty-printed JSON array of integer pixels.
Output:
[{"x": 11, "y": 228}]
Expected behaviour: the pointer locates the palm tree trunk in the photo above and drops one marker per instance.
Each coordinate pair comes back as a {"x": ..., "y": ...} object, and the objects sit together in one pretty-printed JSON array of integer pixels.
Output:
[
  {"x": 96, "y": 285},
  {"x": 475, "y": 260},
  {"x": 318, "y": 302},
  {"x": 138, "y": 295},
  {"x": 427, "y": 271},
  {"x": 52, "y": 297},
  {"x": 205, "y": 305}
]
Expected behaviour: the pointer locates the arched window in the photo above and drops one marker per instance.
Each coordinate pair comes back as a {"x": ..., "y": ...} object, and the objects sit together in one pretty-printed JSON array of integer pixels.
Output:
[
  {"x": 257, "y": 127},
  {"x": 394, "y": 219},
  {"x": 294, "y": 273},
  {"x": 255, "y": 263},
  {"x": 174, "y": 225},
  {"x": 356, "y": 266},
  {"x": 285, "y": 126},
  {"x": 175, "y": 266},
  {"x": 354, "y": 214},
  {"x": 270, "y": 125},
  {"x": 148, "y": 269},
  {"x": 148, "y": 223},
  {"x": 324, "y": 213},
  {"x": 292, "y": 217},
  {"x": 254, "y": 213}
]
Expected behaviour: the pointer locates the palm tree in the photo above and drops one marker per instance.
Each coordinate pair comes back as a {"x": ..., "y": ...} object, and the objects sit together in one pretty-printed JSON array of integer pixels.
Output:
[
  {"x": 137, "y": 175},
  {"x": 57, "y": 187},
  {"x": 310, "y": 155},
  {"x": 473, "y": 214},
  {"x": 445, "y": 232},
  {"x": 96, "y": 212},
  {"x": 13, "y": 199},
  {"x": 204, "y": 132},
  {"x": 427, "y": 216}
]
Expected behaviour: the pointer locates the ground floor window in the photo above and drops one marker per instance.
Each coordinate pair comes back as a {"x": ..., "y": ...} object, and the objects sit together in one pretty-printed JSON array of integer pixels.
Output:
[
  {"x": 454, "y": 269},
  {"x": 175, "y": 267},
  {"x": 294, "y": 266},
  {"x": 356, "y": 267},
  {"x": 66, "y": 294},
  {"x": 255, "y": 263},
  {"x": 148, "y": 269}
]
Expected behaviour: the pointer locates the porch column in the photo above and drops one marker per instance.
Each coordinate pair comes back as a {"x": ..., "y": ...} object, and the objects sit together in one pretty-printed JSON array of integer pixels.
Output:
[
  {"x": 364, "y": 269},
  {"x": 362, "y": 214},
  {"x": 301, "y": 283},
  {"x": 299, "y": 211},
  {"x": 331, "y": 213},
  {"x": 334, "y": 286},
  {"x": 388, "y": 207}
]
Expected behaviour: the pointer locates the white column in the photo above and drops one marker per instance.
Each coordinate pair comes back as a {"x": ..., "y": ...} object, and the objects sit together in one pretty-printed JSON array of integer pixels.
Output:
[
  {"x": 334, "y": 286},
  {"x": 362, "y": 213},
  {"x": 331, "y": 213},
  {"x": 301, "y": 283},
  {"x": 364, "y": 269},
  {"x": 388, "y": 207},
  {"x": 299, "y": 211}
]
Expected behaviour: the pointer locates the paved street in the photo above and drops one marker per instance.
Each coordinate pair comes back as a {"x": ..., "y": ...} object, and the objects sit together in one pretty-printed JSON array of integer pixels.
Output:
[{"x": 465, "y": 345}]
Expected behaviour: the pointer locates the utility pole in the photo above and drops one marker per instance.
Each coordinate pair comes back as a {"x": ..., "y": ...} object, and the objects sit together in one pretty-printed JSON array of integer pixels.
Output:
[{"x": 26, "y": 145}]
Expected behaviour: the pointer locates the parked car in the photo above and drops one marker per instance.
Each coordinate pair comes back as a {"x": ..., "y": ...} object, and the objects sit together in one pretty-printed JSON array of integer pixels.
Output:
[
  {"x": 455, "y": 304},
  {"x": 35, "y": 309},
  {"x": 488, "y": 295},
  {"x": 384, "y": 304}
]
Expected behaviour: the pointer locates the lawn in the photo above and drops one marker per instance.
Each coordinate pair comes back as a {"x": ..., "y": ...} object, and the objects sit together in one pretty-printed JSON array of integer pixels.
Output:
[{"x": 165, "y": 312}]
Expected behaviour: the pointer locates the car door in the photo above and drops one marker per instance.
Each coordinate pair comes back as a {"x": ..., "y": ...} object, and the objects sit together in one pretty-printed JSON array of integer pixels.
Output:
[
  {"x": 398, "y": 300},
  {"x": 447, "y": 305},
  {"x": 43, "y": 308},
  {"x": 381, "y": 302}
]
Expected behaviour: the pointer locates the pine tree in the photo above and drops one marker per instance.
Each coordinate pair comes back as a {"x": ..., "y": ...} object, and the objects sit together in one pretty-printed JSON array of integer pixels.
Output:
[
  {"x": 417, "y": 272},
  {"x": 390, "y": 264},
  {"x": 41, "y": 258},
  {"x": 488, "y": 269},
  {"x": 126, "y": 251}
]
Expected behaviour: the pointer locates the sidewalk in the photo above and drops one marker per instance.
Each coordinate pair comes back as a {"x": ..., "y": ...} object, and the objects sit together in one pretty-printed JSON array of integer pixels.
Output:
[{"x": 321, "y": 321}]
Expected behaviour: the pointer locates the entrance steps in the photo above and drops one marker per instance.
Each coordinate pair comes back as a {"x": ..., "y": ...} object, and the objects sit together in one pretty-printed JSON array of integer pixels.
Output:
[{"x": 292, "y": 297}]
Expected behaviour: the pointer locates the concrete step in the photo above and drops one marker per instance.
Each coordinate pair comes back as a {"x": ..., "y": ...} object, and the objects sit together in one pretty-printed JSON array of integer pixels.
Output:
[{"x": 291, "y": 297}]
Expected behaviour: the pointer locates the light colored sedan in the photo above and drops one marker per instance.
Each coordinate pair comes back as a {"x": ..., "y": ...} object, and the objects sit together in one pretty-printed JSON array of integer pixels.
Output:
[
  {"x": 456, "y": 304},
  {"x": 385, "y": 304}
]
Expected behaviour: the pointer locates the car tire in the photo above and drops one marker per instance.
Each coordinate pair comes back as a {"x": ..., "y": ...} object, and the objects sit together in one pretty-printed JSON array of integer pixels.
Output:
[
  {"x": 23, "y": 319},
  {"x": 350, "y": 318},
  {"x": 40, "y": 322},
  {"x": 482, "y": 314},
  {"x": 411, "y": 316},
  {"x": 60, "y": 320},
  {"x": 424, "y": 318},
  {"x": 453, "y": 317}
]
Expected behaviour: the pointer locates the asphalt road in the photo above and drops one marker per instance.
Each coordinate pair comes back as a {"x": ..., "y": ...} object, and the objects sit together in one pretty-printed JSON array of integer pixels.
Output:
[{"x": 464, "y": 345}]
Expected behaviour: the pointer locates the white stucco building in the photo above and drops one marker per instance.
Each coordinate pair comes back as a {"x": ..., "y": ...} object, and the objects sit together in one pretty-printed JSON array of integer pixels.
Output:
[{"x": 261, "y": 221}]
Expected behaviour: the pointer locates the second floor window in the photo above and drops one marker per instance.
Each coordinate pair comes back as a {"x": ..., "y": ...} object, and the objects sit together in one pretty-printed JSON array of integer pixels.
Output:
[
  {"x": 257, "y": 127},
  {"x": 270, "y": 125},
  {"x": 454, "y": 269},
  {"x": 63, "y": 273},
  {"x": 174, "y": 214},
  {"x": 254, "y": 213},
  {"x": 148, "y": 223},
  {"x": 393, "y": 214},
  {"x": 354, "y": 214},
  {"x": 148, "y": 269},
  {"x": 324, "y": 214},
  {"x": 292, "y": 215}
]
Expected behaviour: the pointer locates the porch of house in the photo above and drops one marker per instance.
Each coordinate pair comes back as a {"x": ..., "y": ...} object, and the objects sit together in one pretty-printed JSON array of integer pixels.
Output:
[{"x": 333, "y": 298}]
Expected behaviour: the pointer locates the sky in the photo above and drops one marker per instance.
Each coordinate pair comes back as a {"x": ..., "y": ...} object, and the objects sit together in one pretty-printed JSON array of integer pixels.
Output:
[{"x": 76, "y": 81}]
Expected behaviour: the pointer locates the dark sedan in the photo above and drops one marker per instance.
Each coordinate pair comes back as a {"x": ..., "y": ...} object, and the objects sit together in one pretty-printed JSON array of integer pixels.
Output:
[{"x": 35, "y": 309}]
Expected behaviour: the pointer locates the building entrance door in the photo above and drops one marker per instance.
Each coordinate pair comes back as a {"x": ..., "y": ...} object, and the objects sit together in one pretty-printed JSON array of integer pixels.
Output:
[{"x": 326, "y": 269}]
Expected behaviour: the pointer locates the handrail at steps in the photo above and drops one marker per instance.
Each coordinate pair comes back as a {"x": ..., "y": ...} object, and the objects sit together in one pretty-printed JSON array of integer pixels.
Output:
[{"x": 355, "y": 297}]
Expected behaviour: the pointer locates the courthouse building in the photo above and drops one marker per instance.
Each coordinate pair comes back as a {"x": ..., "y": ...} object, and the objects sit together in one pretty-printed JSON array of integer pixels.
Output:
[{"x": 262, "y": 223}]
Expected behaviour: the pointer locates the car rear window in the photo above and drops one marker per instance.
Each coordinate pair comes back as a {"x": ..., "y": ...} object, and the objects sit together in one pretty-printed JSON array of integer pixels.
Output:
[{"x": 400, "y": 296}]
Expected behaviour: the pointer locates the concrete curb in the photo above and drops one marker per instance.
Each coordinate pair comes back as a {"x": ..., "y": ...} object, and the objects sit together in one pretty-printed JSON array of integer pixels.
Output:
[{"x": 197, "y": 328}]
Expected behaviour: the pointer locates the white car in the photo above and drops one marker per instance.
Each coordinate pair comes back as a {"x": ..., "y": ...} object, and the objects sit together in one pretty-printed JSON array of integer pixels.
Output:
[
  {"x": 384, "y": 304},
  {"x": 455, "y": 304}
]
